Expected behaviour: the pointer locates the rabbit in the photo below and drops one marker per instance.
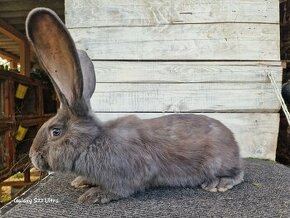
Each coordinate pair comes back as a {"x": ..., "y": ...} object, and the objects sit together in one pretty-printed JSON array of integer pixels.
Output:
[{"x": 127, "y": 155}]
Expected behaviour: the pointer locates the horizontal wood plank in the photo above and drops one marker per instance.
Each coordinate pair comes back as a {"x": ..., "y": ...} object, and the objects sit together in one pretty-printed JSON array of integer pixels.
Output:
[
  {"x": 190, "y": 72},
  {"x": 185, "y": 97},
  {"x": 221, "y": 41},
  {"x": 92, "y": 13},
  {"x": 27, "y": 5},
  {"x": 256, "y": 133}
]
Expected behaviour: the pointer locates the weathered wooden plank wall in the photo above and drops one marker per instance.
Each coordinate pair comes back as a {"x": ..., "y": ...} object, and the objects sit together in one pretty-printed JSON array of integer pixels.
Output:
[
  {"x": 228, "y": 41},
  {"x": 186, "y": 72},
  {"x": 96, "y": 13},
  {"x": 154, "y": 57}
]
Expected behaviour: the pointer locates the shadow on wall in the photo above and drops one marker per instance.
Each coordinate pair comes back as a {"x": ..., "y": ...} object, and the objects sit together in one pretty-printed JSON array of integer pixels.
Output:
[{"x": 283, "y": 147}]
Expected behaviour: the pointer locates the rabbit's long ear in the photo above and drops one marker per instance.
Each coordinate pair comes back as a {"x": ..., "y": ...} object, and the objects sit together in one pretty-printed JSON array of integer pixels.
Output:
[
  {"x": 57, "y": 54},
  {"x": 89, "y": 78}
]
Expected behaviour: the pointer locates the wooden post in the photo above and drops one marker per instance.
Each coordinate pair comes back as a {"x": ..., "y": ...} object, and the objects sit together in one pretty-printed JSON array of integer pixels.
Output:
[
  {"x": 10, "y": 147},
  {"x": 27, "y": 176},
  {"x": 13, "y": 64},
  {"x": 7, "y": 94},
  {"x": 24, "y": 58},
  {"x": 39, "y": 101}
]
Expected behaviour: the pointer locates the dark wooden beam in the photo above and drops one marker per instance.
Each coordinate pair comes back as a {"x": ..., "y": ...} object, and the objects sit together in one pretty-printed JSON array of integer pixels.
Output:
[
  {"x": 8, "y": 43},
  {"x": 7, "y": 46},
  {"x": 4, "y": 38},
  {"x": 27, "y": 5},
  {"x": 9, "y": 56},
  {"x": 11, "y": 32},
  {"x": 15, "y": 183},
  {"x": 23, "y": 13}
]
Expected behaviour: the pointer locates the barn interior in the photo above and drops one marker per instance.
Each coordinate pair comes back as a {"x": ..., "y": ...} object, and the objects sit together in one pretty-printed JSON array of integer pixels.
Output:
[{"x": 27, "y": 98}]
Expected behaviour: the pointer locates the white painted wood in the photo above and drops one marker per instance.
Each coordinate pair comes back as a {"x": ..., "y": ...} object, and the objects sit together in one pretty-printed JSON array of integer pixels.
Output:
[
  {"x": 191, "y": 72},
  {"x": 220, "y": 41},
  {"x": 92, "y": 13},
  {"x": 185, "y": 97},
  {"x": 256, "y": 133}
]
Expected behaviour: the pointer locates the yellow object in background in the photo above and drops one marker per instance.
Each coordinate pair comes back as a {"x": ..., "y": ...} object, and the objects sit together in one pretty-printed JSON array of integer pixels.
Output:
[
  {"x": 21, "y": 132},
  {"x": 21, "y": 91}
]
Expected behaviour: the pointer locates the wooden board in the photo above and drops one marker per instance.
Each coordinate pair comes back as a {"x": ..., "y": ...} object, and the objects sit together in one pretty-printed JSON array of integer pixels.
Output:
[
  {"x": 256, "y": 133},
  {"x": 190, "y": 72},
  {"x": 92, "y": 13},
  {"x": 27, "y": 5},
  {"x": 219, "y": 41},
  {"x": 185, "y": 97}
]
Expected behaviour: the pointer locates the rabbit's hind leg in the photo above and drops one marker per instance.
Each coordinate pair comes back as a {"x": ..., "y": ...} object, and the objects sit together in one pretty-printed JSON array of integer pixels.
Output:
[
  {"x": 222, "y": 184},
  {"x": 227, "y": 183}
]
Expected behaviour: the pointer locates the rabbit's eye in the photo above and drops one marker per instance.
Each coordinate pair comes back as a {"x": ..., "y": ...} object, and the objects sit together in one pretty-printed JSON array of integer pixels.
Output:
[{"x": 55, "y": 131}]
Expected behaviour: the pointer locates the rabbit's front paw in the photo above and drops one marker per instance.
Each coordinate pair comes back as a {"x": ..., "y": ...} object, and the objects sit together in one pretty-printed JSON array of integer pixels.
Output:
[
  {"x": 80, "y": 182},
  {"x": 97, "y": 195},
  {"x": 210, "y": 186}
]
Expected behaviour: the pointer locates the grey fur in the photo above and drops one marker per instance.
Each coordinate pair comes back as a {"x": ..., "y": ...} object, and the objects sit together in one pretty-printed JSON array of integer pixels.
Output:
[{"x": 128, "y": 154}]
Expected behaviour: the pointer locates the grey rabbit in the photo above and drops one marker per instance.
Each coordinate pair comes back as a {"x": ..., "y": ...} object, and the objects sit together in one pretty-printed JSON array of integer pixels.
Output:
[{"x": 128, "y": 154}]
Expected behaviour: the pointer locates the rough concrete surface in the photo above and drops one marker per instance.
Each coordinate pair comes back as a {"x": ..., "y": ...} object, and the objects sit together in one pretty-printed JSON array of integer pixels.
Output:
[{"x": 265, "y": 193}]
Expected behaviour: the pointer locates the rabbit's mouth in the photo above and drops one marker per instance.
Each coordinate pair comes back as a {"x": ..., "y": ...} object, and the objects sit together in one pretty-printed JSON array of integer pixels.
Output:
[{"x": 39, "y": 162}]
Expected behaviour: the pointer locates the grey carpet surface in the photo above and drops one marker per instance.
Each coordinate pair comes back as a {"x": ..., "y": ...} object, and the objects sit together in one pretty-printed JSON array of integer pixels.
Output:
[{"x": 265, "y": 193}]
